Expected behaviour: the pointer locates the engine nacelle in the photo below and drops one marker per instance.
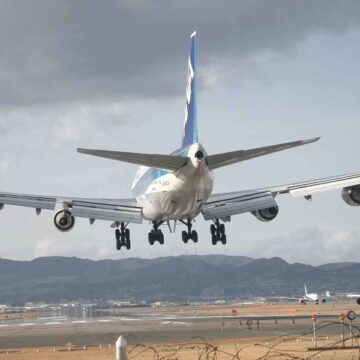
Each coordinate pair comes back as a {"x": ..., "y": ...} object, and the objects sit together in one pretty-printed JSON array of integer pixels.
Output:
[
  {"x": 323, "y": 300},
  {"x": 351, "y": 195},
  {"x": 358, "y": 301},
  {"x": 64, "y": 221},
  {"x": 302, "y": 301},
  {"x": 266, "y": 214}
]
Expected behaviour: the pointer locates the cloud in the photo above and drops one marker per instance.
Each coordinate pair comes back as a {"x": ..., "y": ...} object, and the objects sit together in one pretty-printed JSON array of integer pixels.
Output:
[
  {"x": 58, "y": 126},
  {"x": 54, "y": 53},
  {"x": 312, "y": 246}
]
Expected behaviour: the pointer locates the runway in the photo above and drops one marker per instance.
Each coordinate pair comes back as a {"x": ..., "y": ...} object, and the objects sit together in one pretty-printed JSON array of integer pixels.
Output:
[{"x": 155, "y": 327}]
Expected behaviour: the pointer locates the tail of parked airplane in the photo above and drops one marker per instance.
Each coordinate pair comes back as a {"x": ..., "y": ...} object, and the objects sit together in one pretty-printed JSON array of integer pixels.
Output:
[
  {"x": 305, "y": 289},
  {"x": 190, "y": 135}
]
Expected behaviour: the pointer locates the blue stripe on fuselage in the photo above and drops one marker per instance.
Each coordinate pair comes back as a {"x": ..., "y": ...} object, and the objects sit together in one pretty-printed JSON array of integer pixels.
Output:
[{"x": 151, "y": 174}]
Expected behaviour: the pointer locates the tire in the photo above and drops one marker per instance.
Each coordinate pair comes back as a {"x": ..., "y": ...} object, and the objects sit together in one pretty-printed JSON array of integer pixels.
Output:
[
  {"x": 223, "y": 239},
  {"x": 128, "y": 244},
  {"x": 127, "y": 234},
  {"x": 161, "y": 238},
  {"x": 184, "y": 236},
  {"x": 194, "y": 236},
  {"x": 151, "y": 238},
  {"x": 212, "y": 229},
  {"x": 222, "y": 229},
  {"x": 117, "y": 234},
  {"x": 118, "y": 244},
  {"x": 214, "y": 240}
]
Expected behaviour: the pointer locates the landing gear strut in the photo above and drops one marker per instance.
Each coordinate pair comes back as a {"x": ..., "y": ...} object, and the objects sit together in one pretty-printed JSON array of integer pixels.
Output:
[
  {"x": 189, "y": 235},
  {"x": 122, "y": 236},
  {"x": 217, "y": 232},
  {"x": 156, "y": 234}
]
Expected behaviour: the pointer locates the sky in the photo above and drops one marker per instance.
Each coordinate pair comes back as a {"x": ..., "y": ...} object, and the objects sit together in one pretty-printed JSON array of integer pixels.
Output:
[{"x": 112, "y": 74}]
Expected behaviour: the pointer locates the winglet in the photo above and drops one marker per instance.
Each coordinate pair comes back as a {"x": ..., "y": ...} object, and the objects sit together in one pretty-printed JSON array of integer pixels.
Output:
[{"x": 309, "y": 141}]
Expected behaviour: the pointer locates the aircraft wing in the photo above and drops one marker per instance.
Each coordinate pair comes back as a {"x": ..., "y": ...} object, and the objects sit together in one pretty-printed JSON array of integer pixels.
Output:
[
  {"x": 224, "y": 205},
  {"x": 117, "y": 210},
  {"x": 224, "y": 159}
]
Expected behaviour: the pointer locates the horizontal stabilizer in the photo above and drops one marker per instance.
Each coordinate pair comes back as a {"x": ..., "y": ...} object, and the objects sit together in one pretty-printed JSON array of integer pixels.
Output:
[
  {"x": 229, "y": 158},
  {"x": 157, "y": 161}
]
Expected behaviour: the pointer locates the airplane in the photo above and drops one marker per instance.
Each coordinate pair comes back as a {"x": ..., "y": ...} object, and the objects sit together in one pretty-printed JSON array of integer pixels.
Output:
[
  {"x": 308, "y": 297},
  {"x": 176, "y": 188},
  {"x": 311, "y": 297},
  {"x": 344, "y": 295}
]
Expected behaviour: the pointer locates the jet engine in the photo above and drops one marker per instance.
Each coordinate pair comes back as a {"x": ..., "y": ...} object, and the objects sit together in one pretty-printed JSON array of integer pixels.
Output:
[
  {"x": 358, "y": 301},
  {"x": 266, "y": 214},
  {"x": 351, "y": 195},
  {"x": 64, "y": 221}
]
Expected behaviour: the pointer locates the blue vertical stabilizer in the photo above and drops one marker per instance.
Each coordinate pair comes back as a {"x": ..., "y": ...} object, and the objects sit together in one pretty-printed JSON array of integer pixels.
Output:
[{"x": 190, "y": 135}]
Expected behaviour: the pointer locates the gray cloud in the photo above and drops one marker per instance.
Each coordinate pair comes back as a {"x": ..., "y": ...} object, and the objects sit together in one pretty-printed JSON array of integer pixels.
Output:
[{"x": 69, "y": 51}]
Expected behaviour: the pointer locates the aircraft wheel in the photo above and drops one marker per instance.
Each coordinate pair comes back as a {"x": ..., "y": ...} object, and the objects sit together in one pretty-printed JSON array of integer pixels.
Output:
[
  {"x": 212, "y": 229},
  {"x": 151, "y": 237},
  {"x": 118, "y": 244},
  {"x": 214, "y": 240},
  {"x": 223, "y": 239},
  {"x": 184, "y": 237},
  {"x": 222, "y": 229},
  {"x": 128, "y": 244},
  {"x": 117, "y": 234},
  {"x": 194, "y": 236},
  {"x": 160, "y": 237}
]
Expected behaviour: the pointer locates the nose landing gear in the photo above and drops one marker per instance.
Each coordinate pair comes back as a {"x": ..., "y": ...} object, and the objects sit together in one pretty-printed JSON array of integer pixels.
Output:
[
  {"x": 189, "y": 234},
  {"x": 217, "y": 232},
  {"x": 156, "y": 234},
  {"x": 122, "y": 237}
]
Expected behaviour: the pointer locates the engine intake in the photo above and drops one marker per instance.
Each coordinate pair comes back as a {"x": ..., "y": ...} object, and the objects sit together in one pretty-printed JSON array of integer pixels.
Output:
[
  {"x": 351, "y": 195},
  {"x": 266, "y": 214},
  {"x": 64, "y": 221}
]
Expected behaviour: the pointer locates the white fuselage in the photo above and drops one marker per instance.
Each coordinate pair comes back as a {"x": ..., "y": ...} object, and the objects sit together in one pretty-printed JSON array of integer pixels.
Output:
[
  {"x": 175, "y": 195},
  {"x": 311, "y": 297}
]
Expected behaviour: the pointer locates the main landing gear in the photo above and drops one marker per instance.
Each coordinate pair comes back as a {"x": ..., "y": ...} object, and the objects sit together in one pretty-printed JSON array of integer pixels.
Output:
[
  {"x": 122, "y": 236},
  {"x": 217, "y": 232},
  {"x": 189, "y": 235},
  {"x": 156, "y": 234}
]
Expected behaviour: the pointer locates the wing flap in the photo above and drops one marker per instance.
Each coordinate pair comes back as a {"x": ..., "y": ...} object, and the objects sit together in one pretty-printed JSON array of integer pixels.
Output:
[
  {"x": 219, "y": 160},
  {"x": 33, "y": 201},
  {"x": 157, "y": 161},
  {"x": 233, "y": 204},
  {"x": 312, "y": 187},
  {"x": 110, "y": 212}
]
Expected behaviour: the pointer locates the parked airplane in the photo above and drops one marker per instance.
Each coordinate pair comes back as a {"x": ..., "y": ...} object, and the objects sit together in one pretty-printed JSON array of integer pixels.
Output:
[
  {"x": 336, "y": 295},
  {"x": 311, "y": 297},
  {"x": 178, "y": 187},
  {"x": 308, "y": 297}
]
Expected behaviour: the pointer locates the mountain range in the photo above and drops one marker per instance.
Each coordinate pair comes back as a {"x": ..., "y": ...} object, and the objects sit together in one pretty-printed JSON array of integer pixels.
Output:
[{"x": 176, "y": 278}]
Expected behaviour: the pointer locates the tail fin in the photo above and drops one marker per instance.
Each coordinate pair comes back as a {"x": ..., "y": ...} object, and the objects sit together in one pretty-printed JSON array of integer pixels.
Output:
[
  {"x": 190, "y": 134},
  {"x": 305, "y": 289}
]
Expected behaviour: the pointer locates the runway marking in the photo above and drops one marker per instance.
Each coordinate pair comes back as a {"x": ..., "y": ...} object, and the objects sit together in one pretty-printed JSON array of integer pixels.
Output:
[
  {"x": 79, "y": 322},
  {"x": 26, "y": 324},
  {"x": 53, "y": 323},
  {"x": 5, "y": 325},
  {"x": 175, "y": 323},
  {"x": 105, "y": 320}
]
